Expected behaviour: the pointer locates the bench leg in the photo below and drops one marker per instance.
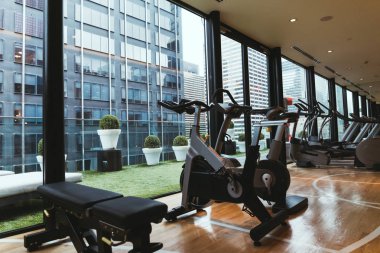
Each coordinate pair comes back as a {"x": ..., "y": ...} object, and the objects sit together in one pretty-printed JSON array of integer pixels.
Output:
[
  {"x": 33, "y": 241},
  {"x": 140, "y": 239}
]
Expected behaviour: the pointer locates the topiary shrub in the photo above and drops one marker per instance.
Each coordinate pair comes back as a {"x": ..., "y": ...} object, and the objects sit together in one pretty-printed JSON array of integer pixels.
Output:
[
  {"x": 109, "y": 122},
  {"x": 180, "y": 140},
  {"x": 241, "y": 137},
  {"x": 40, "y": 147},
  {"x": 231, "y": 125},
  {"x": 152, "y": 141}
]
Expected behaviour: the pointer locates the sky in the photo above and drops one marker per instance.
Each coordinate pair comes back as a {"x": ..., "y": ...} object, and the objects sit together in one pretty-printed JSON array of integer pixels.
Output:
[{"x": 193, "y": 39}]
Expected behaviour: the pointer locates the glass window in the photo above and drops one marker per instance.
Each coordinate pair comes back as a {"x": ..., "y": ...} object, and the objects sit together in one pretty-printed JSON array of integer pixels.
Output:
[
  {"x": 1, "y": 49},
  {"x": 1, "y": 81},
  {"x": 350, "y": 106},
  {"x": 294, "y": 87},
  {"x": 322, "y": 96},
  {"x": 340, "y": 109}
]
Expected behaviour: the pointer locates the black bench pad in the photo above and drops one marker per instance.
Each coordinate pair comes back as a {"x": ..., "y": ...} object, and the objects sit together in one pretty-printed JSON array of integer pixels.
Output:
[
  {"x": 130, "y": 212},
  {"x": 75, "y": 197}
]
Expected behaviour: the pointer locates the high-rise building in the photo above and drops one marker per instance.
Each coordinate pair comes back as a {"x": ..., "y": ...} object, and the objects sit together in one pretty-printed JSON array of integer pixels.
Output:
[
  {"x": 195, "y": 88},
  {"x": 120, "y": 57},
  {"x": 233, "y": 78}
]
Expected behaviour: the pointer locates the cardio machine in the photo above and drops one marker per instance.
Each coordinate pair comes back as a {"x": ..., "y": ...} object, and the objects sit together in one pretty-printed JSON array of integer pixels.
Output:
[
  {"x": 207, "y": 176},
  {"x": 272, "y": 178}
]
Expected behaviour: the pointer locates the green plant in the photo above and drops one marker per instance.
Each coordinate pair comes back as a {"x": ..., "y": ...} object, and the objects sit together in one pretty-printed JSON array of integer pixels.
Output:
[
  {"x": 152, "y": 141},
  {"x": 180, "y": 140},
  {"x": 109, "y": 122},
  {"x": 261, "y": 136},
  {"x": 231, "y": 125},
  {"x": 241, "y": 137},
  {"x": 40, "y": 147}
]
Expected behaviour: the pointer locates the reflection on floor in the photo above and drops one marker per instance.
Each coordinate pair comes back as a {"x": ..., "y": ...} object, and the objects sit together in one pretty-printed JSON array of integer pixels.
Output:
[{"x": 343, "y": 216}]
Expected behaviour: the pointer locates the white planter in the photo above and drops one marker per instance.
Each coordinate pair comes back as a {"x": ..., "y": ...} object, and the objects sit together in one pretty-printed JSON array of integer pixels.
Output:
[
  {"x": 109, "y": 138},
  {"x": 180, "y": 152},
  {"x": 241, "y": 145},
  {"x": 152, "y": 155},
  {"x": 40, "y": 160},
  {"x": 231, "y": 132}
]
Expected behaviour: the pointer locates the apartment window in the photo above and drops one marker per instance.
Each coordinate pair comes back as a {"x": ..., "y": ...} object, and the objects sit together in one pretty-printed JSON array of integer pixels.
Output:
[
  {"x": 136, "y": 74},
  {"x": 104, "y": 3},
  {"x": 36, "y": 4},
  {"x": 137, "y": 96},
  {"x": 1, "y": 49},
  {"x": 1, "y": 80},
  {"x": 94, "y": 42},
  {"x": 166, "y": 41},
  {"x": 136, "y": 53},
  {"x": 1, "y": 121},
  {"x": 33, "y": 84},
  {"x": 93, "y": 17},
  {"x": 65, "y": 62},
  {"x": 94, "y": 66},
  {"x": 134, "y": 9},
  {"x": 92, "y": 91},
  {"x": 167, "y": 61},
  {"x": 65, "y": 91},
  {"x": 33, "y": 113},
  {"x": 166, "y": 22},
  {"x": 1, "y": 18},
  {"x": 34, "y": 26},
  {"x": 134, "y": 30},
  {"x": 168, "y": 80},
  {"x": 165, "y": 5},
  {"x": 33, "y": 54},
  {"x": 31, "y": 141}
]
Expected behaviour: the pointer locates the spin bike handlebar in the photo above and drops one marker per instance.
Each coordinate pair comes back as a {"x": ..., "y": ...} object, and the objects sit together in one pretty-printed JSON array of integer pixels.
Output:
[
  {"x": 234, "y": 109},
  {"x": 184, "y": 106}
]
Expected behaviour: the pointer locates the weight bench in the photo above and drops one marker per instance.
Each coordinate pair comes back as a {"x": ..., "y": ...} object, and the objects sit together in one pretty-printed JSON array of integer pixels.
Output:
[{"x": 77, "y": 211}]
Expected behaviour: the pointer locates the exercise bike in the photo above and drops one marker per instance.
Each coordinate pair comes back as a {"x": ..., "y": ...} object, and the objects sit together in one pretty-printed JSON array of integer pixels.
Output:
[
  {"x": 272, "y": 178},
  {"x": 207, "y": 176}
]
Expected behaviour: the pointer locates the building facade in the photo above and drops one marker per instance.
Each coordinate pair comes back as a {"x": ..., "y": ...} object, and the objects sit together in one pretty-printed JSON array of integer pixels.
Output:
[{"x": 120, "y": 57}]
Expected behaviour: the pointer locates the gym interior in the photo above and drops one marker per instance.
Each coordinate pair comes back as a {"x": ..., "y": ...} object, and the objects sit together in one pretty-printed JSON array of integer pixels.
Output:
[{"x": 273, "y": 104}]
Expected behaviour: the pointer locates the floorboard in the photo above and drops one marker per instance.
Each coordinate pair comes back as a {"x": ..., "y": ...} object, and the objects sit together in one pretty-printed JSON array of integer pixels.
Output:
[{"x": 343, "y": 216}]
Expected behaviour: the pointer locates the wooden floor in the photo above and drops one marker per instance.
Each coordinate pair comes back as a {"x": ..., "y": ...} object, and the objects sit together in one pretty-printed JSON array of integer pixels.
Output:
[{"x": 343, "y": 216}]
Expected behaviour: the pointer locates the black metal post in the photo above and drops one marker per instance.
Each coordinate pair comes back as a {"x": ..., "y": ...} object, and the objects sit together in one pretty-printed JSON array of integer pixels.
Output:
[
  {"x": 364, "y": 105},
  {"x": 215, "y": 79},
  {"x": 311, "y": 97},
  {"x": 345, "y": 107},
  {"x": 276, "y": 97},
  {"x": 332, "y": 104},
  {"x": 53, "y": 96},
  {"x": 355, "y": 102},
  {"x": 246, "y": 96}
]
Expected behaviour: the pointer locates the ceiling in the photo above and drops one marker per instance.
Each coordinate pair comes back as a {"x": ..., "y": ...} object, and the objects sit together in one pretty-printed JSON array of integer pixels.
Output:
[{"x": 353, "y": 34}]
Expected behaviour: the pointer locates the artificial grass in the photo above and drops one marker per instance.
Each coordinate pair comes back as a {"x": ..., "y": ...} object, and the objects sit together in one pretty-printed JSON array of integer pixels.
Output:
[
  {"x": 138, "y": 180},
  {"x": 135, "y": 180}
]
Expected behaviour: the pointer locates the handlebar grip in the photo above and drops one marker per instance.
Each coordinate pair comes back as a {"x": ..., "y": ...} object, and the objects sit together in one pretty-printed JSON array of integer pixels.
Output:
[{"x": 223, "y": 91}]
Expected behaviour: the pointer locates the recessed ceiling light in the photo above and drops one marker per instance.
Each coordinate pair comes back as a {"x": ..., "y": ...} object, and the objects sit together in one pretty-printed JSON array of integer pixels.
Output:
[
  {"x": 329, "y": 51},
  {"x": 349, "y": 68},
  {"x": 292, "y": 20},
  {"x": 370, "y": 86},
  {"x": 326, "y": 18},
  {"x": 361, "y": 79}
]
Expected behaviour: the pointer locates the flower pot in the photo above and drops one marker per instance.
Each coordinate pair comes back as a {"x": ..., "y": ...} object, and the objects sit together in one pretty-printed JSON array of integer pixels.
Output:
[
  {"x": 180, "y": 152},
  {"x": 231, "y": 132},
  {"x": 152, "y": 155},
  {"x": 40, "y": 160},
  {"x": 241, "y": 145},
  {"x": 109, "y": 138}
]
